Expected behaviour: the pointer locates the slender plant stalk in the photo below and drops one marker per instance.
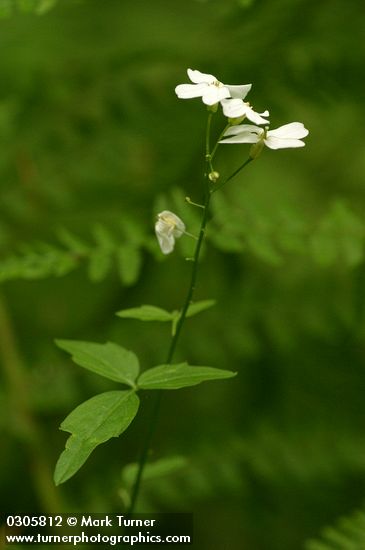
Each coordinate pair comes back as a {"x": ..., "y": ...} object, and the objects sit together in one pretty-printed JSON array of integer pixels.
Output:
[
  {"x": 209, "y": 155},
  {"x": 170, "y": 354},
  {"x": 214, "y": 150},
  {"x": 247, "y": 161}
]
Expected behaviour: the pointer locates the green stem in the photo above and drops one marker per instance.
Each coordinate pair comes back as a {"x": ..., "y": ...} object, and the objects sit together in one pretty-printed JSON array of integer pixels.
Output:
[
  {"x": 207, "y": 136},
  {"x": 175, "y": 338},
  {"x": 214, "y": 150},
  {"x": 194, "y": 275},
  {"x": 188, "y": 300},
  {"x": 170, "y": 354},
  {"x": 232, "y": 175},
  {"x": 145, "y": 450}
]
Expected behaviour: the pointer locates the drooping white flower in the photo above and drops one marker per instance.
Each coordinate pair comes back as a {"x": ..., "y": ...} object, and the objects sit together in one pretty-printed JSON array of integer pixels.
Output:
[
  {"x": 237, "y": 108},
  {"x": 168, "y": 227},
  {"x": 289, "y": 135},
  {"x": 209, "y": 88}
]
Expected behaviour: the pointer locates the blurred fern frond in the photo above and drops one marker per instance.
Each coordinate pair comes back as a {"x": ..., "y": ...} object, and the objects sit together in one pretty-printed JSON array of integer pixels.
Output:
[
  {"x": 41, "y": 260},
  {"x": 39, "y": 7},
  {"x": 347, "y": 534}
]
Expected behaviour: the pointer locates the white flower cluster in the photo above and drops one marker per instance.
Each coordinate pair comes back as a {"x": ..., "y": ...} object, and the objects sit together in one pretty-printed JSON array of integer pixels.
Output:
[
  {"x": 236, "y": 110},
  {"x": 168, "y": 226}
]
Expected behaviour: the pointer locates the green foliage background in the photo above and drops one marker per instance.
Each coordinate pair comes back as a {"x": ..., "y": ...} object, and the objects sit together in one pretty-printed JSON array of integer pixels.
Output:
[{"x": 93, "y": 144}]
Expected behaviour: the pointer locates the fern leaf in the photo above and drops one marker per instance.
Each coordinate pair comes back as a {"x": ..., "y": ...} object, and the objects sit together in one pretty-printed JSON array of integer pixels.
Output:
[{"x": 347, "y": 534}]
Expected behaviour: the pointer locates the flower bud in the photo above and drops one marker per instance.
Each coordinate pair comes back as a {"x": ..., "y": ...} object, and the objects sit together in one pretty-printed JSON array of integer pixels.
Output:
[
  {"x": 237, "y": 120},
  {"x": 213, "y": 176},
  {"x": 256, "y": 149}
]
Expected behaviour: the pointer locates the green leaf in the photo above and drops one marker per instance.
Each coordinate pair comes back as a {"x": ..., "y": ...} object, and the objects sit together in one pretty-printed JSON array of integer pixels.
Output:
[
  {"x": 152, "y": 470},
  {"x": 109, "y": 360},
  {"x": 347, "y": 533},
  {"x": 173, "y": 377},
  {"x": 146, "y": 313},
  {"x": 129, "y": 263},
  {"x": 45, "y": 5},
  {"x": 103, "y": 237},
  {"x": 26, "y": 5},
  {"x": 227, "y": 241},
  {"x": 6, "y": 7},
  {"x": 100, "y": 263},
  {"x": 100, "y": 258},
  {"x": 72, "y": 242},
  {"x": 93, "y": 422},
  {"x": 339, "y": 237},
  {"x": 197, "y": 307},
  {"x": 153, "y": 313},
  {"x": 264, "y": 249},
  {"x": 175, "y": 321}
]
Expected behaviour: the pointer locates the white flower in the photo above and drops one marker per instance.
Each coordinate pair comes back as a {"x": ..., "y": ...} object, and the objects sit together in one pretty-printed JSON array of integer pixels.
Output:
[
  {"x": 289, "y": 135},
  {"x": 168, "y": 228},
  {"x": 209, "y": 88},
  {"x": 236, "y": 108}
]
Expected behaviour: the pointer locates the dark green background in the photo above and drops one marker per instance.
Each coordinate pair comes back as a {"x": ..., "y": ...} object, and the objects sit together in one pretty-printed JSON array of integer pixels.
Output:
[{"x": 94, "y": 141}]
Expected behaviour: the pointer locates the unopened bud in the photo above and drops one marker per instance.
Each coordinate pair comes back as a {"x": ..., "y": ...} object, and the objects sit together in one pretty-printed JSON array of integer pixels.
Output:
[
  {"x": 213, "y": 176},
  {"x": 256, "y": 149},
  {"x": 237, "y": 120}
]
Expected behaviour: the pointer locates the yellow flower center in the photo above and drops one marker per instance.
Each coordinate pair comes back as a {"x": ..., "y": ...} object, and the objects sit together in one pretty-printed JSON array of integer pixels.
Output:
[{"x": 169, "y": 221}]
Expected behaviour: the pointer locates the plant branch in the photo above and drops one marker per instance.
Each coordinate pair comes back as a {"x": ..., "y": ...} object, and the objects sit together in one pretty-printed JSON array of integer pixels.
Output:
[
  {"x": 214, "y": 150},
  {"x": 188, "y": 300},
  {"x": 247, "y": 161},
  {"x": 175, "y": 338}
]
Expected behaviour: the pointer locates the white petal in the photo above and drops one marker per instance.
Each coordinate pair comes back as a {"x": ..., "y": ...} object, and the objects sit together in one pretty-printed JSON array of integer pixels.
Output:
[
  {"x": 167, "y": 228},
  {"x": 163, "y": 229},
  {"x": 170, "y": 224},
  {"x": 187, "y": 91},
  {"x": 239, "y": 91},
  {"x": 294, "y": 130},
  {"x": 243, "y": 137},
  {"x": 198, "y": 78},
  {"x": 274, "y": 142},
  {"x": 170, "y": 217},
  {"x": 242, "y": 128},
  {"x": 255, "y": 117},
  {"x": 179, "y": 229},
  {"x": 233, "y": 108},
  {"x": 214, "y": 94},
  {"x": 166, "y": 242}
]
